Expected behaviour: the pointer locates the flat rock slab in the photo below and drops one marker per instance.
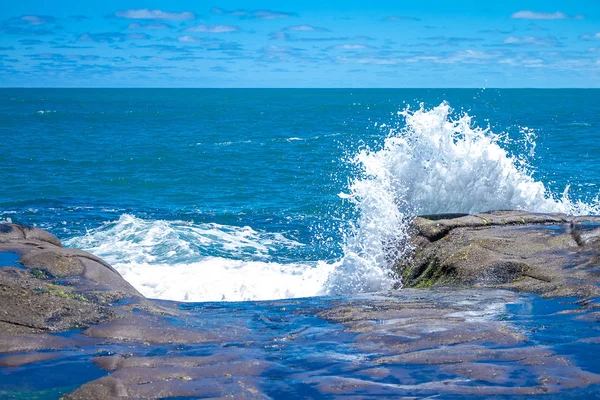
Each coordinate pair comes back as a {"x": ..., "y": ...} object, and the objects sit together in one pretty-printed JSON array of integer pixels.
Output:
[
  {"x": 409, "y": 343},
  {"x": 550, "y": 254}
]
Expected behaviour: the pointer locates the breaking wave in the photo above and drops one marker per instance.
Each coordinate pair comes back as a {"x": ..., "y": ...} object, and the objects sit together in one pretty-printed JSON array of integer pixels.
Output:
[{"x": 430, "y": 162}]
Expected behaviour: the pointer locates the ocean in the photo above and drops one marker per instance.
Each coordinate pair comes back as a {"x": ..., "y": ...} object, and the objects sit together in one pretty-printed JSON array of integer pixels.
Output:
[{"x": 258, "y": 194}]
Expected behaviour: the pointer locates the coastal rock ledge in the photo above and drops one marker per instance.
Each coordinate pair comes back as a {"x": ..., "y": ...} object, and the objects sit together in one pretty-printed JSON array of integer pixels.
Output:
[
  {"x": 72, "y": 328},
  {"x": 554, "y": 255},
  {"x": 45, "y": 287}
]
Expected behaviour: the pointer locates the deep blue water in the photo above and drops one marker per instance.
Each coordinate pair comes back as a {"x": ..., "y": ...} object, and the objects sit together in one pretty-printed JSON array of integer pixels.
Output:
[{"x": 178, "y": 178}]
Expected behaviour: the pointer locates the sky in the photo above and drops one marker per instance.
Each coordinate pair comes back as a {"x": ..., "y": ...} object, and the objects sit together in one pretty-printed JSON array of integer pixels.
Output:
[{"x": 307, "y": 43}]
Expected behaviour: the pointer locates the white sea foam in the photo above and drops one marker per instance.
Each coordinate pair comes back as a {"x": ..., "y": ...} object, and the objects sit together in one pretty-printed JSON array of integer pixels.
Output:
[
  {"x": 230, "y": 143},
  {"x": 222, "y": 279},
  {"x": 429, "y": 163},
  {"x": 178, "y": 260}
]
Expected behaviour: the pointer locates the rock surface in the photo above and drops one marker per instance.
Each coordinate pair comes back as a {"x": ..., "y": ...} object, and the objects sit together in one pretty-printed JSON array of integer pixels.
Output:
[
  {"x": 410, "y": 343},
  {"x": 550, "y": 254},
  {"x": 71, "y": 327},
  {"x": 52, "y": 288}
]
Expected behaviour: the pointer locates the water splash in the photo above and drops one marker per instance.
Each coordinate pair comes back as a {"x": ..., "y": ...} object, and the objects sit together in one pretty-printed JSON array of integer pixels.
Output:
[
  {"x": 433, "y": 163},
  {"x": 430, "y": 162}
]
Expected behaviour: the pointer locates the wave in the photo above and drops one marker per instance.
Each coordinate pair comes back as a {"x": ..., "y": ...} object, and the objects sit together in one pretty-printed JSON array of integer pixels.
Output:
[
  {"x": 430, "y": 162},
  {"x": 222, "y": 279},
  {"x": 179, "y": 260}
]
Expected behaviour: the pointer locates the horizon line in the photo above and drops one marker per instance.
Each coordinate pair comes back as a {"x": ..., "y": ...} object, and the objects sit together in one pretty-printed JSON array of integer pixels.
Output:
[{"x": 299, "y": 88}]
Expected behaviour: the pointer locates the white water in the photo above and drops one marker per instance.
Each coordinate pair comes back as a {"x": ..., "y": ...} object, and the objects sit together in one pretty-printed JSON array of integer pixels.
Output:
[
  {"x": 176, "y": 260},
  {"x": 429, "y": 163}
]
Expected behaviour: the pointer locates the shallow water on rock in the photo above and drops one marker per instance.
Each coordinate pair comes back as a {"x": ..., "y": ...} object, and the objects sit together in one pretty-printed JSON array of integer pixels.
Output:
[
  {"x": 451, "y": 343},
  {"x": 9, "y": 259}
]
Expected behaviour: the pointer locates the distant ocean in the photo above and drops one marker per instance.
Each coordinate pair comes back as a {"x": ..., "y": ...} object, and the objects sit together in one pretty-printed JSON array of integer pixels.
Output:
[{"x": 203, "y": 195}]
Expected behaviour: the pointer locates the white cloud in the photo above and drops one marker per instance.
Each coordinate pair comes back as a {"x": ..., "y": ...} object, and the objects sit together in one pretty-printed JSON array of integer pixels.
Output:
[
  {"x": 189, "y": 39},
  {"x": 213, "y": 28},
  {"x": 526, "y": 14},
  {"x": 351, "y": 47},
  {"x": 145, "y": 13},
  {"x": 516, "y": 40},
  {"x": 37, "y": 19},
  {"x": 268, "y": 14},
  {"x": 282, "y": 53},
  {"x": 278, "y": 35},
  {"x": 396, "y": 18},
  {"x": 306, "y": 28},
  {"x": 136, "y": 26},
  {"x": 523, "y": 62},
  {"x": 458, "y": 57},
  {"x": 369, "y": 60},
  {"x": 590, "y": 36},
  {"x": 255, "y": 14}
]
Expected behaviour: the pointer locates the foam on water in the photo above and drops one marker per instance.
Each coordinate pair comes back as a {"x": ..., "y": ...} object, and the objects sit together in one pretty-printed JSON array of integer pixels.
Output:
[
  {"x": 429, "y": 162},
  {"x": 178, "y": 260},
  {"x": 158, "y": 241}
]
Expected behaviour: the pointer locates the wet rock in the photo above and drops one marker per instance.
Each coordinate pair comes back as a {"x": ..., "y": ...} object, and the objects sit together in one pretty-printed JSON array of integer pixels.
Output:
[
  {"x": 447, "y": 342},
  {"x": 52, "y": 288},
  {"x": 23, "y": 359},
  {"x": 16, "y": 343},
  {"x": 111, "y": 363},
  {"x": 11, "y": 232},
  {"x": 149, "y": 329},
  {"x": 551, "y": 254},
  {"x": 439, "y": 341},
  {"x": 161, "y": 377}
]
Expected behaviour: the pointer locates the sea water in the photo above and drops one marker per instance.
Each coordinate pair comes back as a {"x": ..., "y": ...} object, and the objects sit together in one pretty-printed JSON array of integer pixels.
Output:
[{"x": 227, "y": 195}]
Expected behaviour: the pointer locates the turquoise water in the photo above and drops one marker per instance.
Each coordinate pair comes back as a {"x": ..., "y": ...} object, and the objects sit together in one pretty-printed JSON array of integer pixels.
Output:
[{"x": 203, "y": 195}]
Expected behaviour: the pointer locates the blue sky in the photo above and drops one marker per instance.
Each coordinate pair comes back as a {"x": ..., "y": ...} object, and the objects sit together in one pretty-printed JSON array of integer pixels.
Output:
[{"x": 304, "y": 43}]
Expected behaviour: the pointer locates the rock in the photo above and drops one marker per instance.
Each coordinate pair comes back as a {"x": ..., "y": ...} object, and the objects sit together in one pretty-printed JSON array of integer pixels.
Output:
[
  {"x": 443, "y": 341},
  {"x": 111, "y": 363},
  {"x": 450, "y": 342},
  {"x": 164, "y": 377},
  {"x": 26, "y": 301},
  {"x": 56, "y": 289},
  {"x": 10, "y": 232},
  {"x": 51, "y": 261},
  {"x": 149, "y": 329},
  {"x": 551, "y": 254},
  {"x": 14, "y": 343},
  {"x": 24, "y": 359}
]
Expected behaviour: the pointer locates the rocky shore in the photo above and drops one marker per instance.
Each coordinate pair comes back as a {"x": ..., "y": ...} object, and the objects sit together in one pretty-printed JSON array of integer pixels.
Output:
[
  {"x": 551, "y": 254},
  {"x": 503, "y": 303}
]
